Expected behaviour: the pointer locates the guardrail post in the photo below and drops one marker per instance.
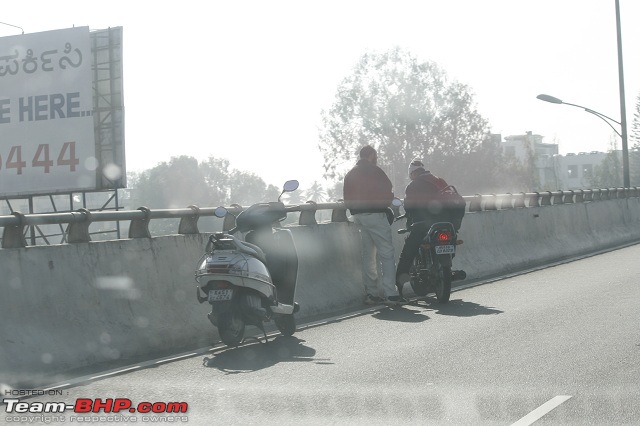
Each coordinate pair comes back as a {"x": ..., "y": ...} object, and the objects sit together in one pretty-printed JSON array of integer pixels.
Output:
[
  {"x": 534, "y": 199},
  {"x": 567, "y": 197},
  {"x": 557, "y": 198},
  {"x": 507, "y": 201},
  {"x": 339, "y": 214},
  {"x": 139, "y": 228},
  {"x": 580, "y": 196},
  {"x": 308, "y": 217},
  {"x": 604, "y": 193},
  {"x": 491, "y": 203},
  {"x": 475, "y": 205},
  {"x": 545, "y": 198},
  {"x": 518, "y": 201},
  {"x": 189, "y": 224},
  {"x": 78, "y": 232},
  {"x": 633, "y": 192},
  {"x": 13, "y": 235}
]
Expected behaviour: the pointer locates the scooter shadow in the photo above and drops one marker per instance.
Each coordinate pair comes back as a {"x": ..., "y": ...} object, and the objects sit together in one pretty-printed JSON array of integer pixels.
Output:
[{"x": 256, "y": 356}]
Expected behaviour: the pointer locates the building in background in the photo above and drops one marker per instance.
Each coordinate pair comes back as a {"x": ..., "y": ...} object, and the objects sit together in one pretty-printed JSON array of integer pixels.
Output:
[{"x": 555, "y": 171}]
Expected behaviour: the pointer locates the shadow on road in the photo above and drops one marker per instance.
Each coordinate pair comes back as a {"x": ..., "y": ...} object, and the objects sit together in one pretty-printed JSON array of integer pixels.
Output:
[
  {"x": 460, "y": 308},
  {"x": 400, "y": 314},
  {"x": 254, "y": 357}
]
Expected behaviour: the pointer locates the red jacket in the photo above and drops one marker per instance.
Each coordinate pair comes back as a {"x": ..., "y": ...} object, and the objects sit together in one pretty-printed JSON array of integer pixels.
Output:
[{"x": 367, "y": 189}]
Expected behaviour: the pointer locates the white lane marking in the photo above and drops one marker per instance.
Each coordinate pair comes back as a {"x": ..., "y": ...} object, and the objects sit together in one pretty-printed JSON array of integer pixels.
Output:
[{"x": 541, "y": 410}]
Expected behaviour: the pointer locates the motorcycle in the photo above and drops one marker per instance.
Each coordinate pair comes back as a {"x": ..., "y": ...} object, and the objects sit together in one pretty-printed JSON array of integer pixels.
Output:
[
  {"x": 431, "y": 267},
  {"x": 250, "y": 281}
]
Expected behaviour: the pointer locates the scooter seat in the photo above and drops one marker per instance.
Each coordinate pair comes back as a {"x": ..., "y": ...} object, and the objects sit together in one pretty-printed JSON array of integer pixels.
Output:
[{"x": 250, "y": 249}]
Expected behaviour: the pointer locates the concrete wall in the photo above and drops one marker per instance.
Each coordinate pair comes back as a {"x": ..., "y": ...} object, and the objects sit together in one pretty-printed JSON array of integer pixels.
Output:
[{"x": 67, "y": 306}]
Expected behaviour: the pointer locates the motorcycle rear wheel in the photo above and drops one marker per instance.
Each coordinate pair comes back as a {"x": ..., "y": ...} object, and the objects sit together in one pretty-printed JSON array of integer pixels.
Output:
[
  {"x": 231, "y": 328},
  {"x": 286, "y": 324},
  {"x": 443, "y": 284}
]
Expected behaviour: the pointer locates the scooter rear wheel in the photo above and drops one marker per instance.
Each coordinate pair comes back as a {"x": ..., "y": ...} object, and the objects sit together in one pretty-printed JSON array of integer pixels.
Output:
[
  {"x": 231, "y": 328},
  {"x": 286, "y": 324}
]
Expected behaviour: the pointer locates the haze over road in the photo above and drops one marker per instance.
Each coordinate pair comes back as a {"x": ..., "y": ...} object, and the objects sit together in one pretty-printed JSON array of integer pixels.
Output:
[{"x": 493, "y": 355}]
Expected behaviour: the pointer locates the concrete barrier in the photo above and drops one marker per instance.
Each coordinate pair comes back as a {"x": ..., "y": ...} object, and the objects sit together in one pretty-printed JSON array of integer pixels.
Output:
[{"x": 68, "y": 306}]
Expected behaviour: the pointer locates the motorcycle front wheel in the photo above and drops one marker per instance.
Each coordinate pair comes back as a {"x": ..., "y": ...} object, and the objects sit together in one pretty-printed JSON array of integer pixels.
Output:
[
  {"x": 231, "y": 328},
  {"x": 286, "y": 324},
  {"x": 443, "y": 284},
  {"x": 418, "y": 284}
]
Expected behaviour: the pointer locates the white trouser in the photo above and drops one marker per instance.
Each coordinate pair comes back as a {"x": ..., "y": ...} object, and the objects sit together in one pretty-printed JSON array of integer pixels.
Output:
[{"x": 375, "y": 233}]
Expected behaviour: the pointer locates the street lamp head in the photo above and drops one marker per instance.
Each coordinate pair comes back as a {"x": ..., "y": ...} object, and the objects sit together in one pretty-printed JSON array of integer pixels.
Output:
[{"x": 548, "y": 98}]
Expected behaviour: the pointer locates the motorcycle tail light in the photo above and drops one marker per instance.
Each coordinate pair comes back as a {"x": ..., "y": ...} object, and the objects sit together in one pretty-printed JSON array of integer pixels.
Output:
[
  {"x": 443, "y": 236},
  {"x": 221, "y": 285}
]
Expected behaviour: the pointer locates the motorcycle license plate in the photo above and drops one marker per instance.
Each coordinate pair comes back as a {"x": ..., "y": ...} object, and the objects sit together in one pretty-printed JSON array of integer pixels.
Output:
[
  {"x": 220, "y": 295},
  {"x": 448, "y": 249}
]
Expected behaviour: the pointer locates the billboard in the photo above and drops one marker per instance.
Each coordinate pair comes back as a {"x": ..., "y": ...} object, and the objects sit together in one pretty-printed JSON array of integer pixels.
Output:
[{"x": 48, "y": 132}]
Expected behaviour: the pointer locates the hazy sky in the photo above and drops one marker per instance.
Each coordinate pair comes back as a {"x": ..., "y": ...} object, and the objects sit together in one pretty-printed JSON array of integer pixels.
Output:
[{"x": 247, "y": 80}]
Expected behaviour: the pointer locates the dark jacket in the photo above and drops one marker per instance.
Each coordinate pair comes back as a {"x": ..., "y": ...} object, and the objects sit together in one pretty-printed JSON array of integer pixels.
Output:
[
  {"x": 419, "y": 197},
  {"x": 367, "y": 189}
]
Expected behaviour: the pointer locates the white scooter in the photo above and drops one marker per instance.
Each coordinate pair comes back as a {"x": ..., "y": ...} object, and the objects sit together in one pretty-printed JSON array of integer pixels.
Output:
[{"x": 251, "y": 281}]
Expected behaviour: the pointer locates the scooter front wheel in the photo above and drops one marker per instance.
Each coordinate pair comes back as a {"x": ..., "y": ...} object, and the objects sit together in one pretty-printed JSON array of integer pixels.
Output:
[
  {"x": 231, "y": 328},
  {"x": 286, "y": 324}
]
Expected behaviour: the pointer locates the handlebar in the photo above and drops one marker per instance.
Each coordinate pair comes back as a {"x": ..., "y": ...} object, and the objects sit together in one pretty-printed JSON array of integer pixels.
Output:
[{"x": 409, "y": 227}]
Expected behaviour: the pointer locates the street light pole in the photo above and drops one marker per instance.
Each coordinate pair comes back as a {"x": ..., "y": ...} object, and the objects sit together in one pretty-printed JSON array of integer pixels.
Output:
[
  {"x": 623, "y": 109},
  {"x": 608, "y": 120}
]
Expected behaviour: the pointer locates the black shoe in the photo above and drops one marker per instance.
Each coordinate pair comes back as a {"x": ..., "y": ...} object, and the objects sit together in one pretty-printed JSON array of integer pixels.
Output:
[
  {"x": 372, "y": 300},
  {"x": 395, "y": 300}
]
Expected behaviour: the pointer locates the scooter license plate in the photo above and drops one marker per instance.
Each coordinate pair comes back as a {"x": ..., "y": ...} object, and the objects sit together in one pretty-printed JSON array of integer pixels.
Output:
[
  {"x": 448, "y": 249},
  {"x": 220, "y": 295}
]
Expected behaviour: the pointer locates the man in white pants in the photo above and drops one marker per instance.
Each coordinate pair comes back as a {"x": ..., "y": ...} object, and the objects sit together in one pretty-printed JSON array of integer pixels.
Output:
[{"x": 367, "y": 195}]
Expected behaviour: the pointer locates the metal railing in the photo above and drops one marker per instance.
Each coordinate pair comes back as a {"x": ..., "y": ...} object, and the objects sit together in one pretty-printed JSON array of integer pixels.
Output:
[{"x": 77, "y": 231}]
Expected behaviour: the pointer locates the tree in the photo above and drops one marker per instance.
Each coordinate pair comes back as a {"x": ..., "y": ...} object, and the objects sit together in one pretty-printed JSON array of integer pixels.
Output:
[
  {"x": 405, "y": 109},
  {"x": 634, "y": 153},
  {"x": 335, "y": 193},
  {"x": 316, "y": 193},
  {"x": 248, "y": 188},
  {"x": 609, "y": 173},
  {"x": 216, "y": 175},
  {"x": 635, "y": 125},
  {"x": 176, "y": 184}
]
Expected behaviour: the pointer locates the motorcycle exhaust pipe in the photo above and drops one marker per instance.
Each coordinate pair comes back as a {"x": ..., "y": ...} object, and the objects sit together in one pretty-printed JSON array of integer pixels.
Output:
[{"x": 458, "y": 275}]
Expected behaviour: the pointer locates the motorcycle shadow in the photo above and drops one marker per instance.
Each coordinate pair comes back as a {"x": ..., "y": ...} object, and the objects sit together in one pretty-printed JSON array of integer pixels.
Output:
[
  {"x": 461, "y": 308},
  {"x": 256, "y": 356},
  {"x": 400, "y": 314}
]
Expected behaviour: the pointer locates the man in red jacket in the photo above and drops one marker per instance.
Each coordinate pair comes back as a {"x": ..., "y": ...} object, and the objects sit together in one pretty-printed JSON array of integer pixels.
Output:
[{"x": 367, "y": 195}]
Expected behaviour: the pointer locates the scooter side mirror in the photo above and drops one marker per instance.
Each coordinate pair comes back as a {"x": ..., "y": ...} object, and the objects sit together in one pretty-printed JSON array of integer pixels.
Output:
[
  {"x": 396, "y": 202},
  {"x": 220, "y": 212},
  {"x": 290, "y": 185}
]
